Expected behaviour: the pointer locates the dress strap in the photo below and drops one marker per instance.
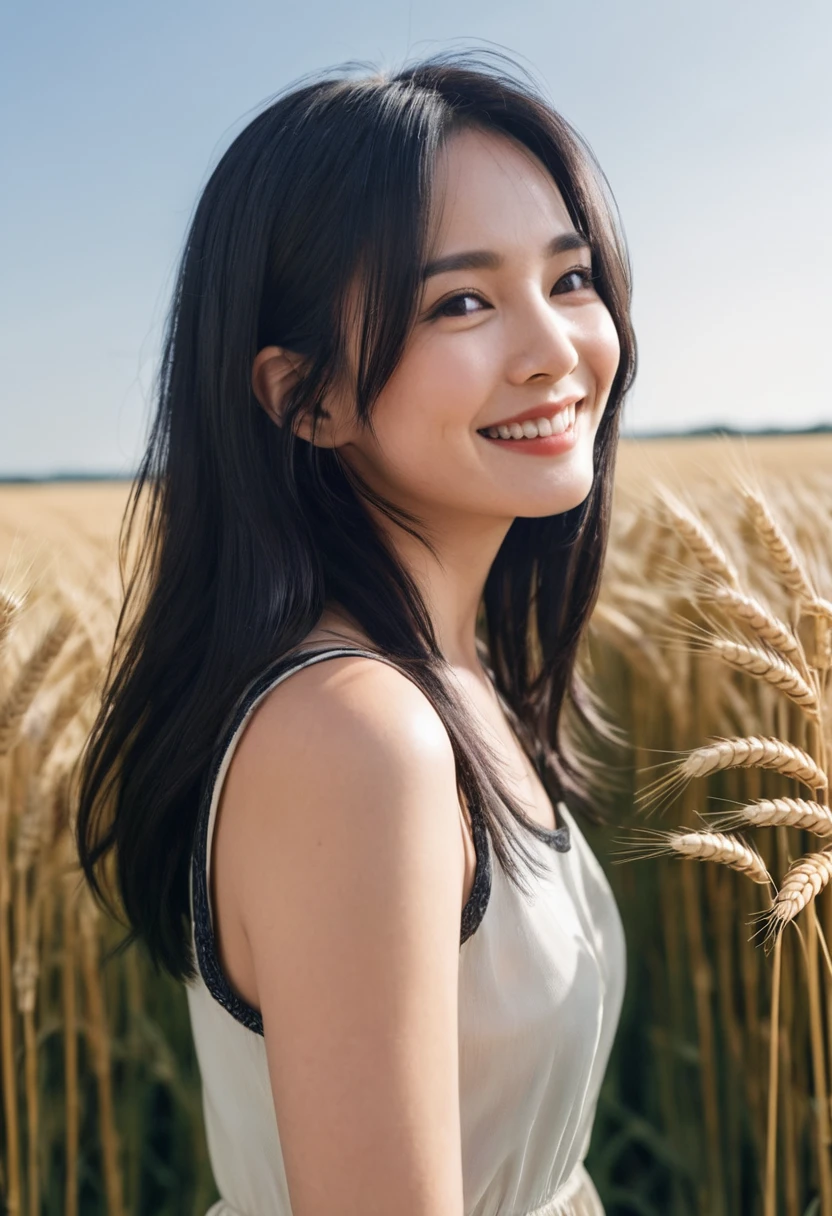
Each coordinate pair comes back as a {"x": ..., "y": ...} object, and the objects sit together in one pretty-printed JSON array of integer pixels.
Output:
[{"x": 204, "y": 941}]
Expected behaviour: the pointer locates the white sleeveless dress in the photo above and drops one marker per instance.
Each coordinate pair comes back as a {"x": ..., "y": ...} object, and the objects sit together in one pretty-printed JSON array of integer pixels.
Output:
[{"x": 541, "y": 983}]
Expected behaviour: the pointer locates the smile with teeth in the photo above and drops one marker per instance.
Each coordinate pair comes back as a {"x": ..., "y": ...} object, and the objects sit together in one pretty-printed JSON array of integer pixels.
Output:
[{"x": 533, "y": 428}]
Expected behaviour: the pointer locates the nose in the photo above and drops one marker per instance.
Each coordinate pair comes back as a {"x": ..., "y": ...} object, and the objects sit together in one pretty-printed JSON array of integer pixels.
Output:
[{"x": 542, "y": 343}]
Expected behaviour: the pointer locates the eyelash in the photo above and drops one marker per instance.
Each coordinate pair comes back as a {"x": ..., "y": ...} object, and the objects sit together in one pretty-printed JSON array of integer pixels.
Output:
[{"x": 586, "y": 274}]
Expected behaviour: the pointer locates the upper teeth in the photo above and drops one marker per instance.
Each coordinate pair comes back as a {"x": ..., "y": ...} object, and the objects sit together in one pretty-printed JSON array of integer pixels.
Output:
[{"x": 554, "y": 424}]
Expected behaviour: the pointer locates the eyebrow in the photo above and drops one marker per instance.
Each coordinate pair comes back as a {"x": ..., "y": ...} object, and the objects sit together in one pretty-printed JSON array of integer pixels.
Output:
[{"x": 486, "y": 259}]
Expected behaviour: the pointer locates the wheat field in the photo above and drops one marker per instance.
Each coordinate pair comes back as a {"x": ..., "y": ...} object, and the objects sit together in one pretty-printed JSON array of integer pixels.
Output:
[
  {"x": 57, "y": 517},
  {"x": 711, "y": 646},
  {"x": 60, "y": 514}
]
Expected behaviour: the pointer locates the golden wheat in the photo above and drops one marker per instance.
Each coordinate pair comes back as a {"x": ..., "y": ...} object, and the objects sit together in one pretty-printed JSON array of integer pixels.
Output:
[
  {"x": 69, "y": 706},
  {"x": 700, "y": 540},
  {"x": 630, "y": 638},
  {"x": 701, "y": 846},
  {"x": 773, "y": 668},
  {"x": 776, "y": 658},
  {"x": 717, "y": 990},
  {"x": 24, "y": 974},
  {"x": 31, "y": 676},
  {"x": 29, "y": 830},
  {"x": 819, "y": 607},
  {"x": 10, "y": 605},
  {"x": 801, "y": 813},
  {"x": 754, "y": 751},
  {"x": 784, "y": 560},
  {"x": 749, "y": 611},
  {"x": 803, "y": 882}
]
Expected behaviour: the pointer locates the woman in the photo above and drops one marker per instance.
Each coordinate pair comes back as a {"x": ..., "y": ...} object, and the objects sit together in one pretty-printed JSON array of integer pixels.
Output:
[{"x": 381, "y": 465}]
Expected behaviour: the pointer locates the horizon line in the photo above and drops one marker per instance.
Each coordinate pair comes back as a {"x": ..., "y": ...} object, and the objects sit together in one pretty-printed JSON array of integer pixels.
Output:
[{"x": 693, "y": 433}]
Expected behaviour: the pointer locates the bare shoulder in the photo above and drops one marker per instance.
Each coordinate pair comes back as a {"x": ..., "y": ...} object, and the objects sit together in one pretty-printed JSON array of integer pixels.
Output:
[
  {"x": 354, "y": 694},
  {"x": 350, "y": 748},
  {"x": 348, "y": 865},
  {"x": 343, "y": 720}
]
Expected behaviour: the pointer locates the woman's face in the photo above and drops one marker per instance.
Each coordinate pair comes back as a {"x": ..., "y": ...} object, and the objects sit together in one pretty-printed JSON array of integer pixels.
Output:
[{"x": 509, "y": 325}]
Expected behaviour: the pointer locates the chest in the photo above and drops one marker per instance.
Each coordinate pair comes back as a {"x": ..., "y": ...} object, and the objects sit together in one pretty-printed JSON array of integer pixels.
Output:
[{"x": 517, "y": 771}]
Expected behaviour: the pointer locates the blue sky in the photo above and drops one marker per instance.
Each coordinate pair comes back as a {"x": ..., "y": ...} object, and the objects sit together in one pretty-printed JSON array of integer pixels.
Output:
[{"x": 712, "y": 122}]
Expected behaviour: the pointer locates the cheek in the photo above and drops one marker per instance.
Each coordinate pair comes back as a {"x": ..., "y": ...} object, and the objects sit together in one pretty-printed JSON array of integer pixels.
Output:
[
  {"x": 602, "y": 350},
  {"x": 436, "y": 388}
]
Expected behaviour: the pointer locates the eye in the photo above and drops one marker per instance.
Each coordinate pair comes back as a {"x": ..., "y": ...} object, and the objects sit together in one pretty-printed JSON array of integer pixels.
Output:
[
  {"x": 454, "y": 306},
  {"x": 583, "y": 274}
]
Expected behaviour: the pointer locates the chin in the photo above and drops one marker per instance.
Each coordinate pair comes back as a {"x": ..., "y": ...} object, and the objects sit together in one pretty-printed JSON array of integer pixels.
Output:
[{"x": 565, "y": 497}]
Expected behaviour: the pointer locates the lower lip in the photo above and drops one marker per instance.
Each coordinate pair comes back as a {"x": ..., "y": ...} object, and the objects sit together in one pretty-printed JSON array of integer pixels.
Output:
[{"x": 544, "y": 445}]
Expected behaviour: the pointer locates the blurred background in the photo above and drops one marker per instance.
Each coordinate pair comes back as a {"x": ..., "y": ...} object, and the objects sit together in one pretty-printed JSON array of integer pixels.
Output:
[{"x": 712, "y": 122}]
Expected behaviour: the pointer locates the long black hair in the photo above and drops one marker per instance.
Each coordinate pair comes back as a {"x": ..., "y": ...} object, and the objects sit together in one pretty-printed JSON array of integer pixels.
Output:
[{"x": 238, "y": 533}]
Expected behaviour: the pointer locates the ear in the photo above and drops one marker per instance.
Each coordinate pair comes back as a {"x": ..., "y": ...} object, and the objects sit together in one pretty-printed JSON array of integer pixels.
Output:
[{"x": 276, "y": 371}]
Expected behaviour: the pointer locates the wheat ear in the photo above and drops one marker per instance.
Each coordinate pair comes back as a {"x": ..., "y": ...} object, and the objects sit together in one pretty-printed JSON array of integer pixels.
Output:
[
  {"x": 30, "y": 678},
  {"x": 784, "y": 559},
  {"x": 83, "y": 683},
  {"x": 10, "y": 605},
  {"x": 812, "y": 817},
  {"x": 755, "y": 751},
  {"x": 703, "y": 846},
  {"x": 700, "y": 540},
  {"x": 748, "y": 611},
  {"x": 772, "y": 667},
  {"x": 787, "y": 564},
  {"x": 802, "y": 883},
  {"x": 819, "y": 607}
]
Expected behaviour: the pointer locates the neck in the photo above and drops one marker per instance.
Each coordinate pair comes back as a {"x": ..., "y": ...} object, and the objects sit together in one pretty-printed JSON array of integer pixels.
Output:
[{"x": 452, "y": 582}]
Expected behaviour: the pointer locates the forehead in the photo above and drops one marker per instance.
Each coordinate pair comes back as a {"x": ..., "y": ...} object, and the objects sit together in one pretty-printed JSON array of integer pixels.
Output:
[{"x": 490, "y": 190}]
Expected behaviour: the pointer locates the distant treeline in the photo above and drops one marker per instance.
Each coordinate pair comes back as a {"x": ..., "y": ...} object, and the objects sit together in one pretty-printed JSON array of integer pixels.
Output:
[{"x": 702, "y": 432}]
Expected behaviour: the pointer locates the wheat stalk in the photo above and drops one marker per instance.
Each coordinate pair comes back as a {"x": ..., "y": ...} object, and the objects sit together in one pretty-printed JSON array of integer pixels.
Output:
[
  {"x": 69, "y": 1001},
  {"x": 631, "y": 639},
  {"x": 803, "y": 882},
  {"x": 822, "y": 654},
  {"x": 68, "y": 708},
  {"x": 819, "y": 607},
  {"x": 800, "y": 813},
  {"x": 10, "y": 606},
  {"x": 784, "y": 559},
  {"x": 618, "y": 622},
  {"x": 29, "y": 830},
  {"x": 98, "y": 1039},
  {"x": 30, "y": 678},
  {"x": 704, "y": 846},
  {"x": 700, "y": 540},
  {"x": 748, "y": 611},
  {"x": 778, "y": 656},
  {"x": 773, "y": 668},
  {"x": 754, "y": 751},
  {"x": 12, "y": 1179}
]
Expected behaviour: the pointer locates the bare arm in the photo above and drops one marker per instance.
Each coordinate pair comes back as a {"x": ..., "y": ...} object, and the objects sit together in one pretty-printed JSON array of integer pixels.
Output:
[{"x": 349, "y": 868}]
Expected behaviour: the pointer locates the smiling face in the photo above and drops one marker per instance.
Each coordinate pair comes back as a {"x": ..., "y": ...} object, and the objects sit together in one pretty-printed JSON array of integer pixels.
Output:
[{"x": 509, "y": 327}]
